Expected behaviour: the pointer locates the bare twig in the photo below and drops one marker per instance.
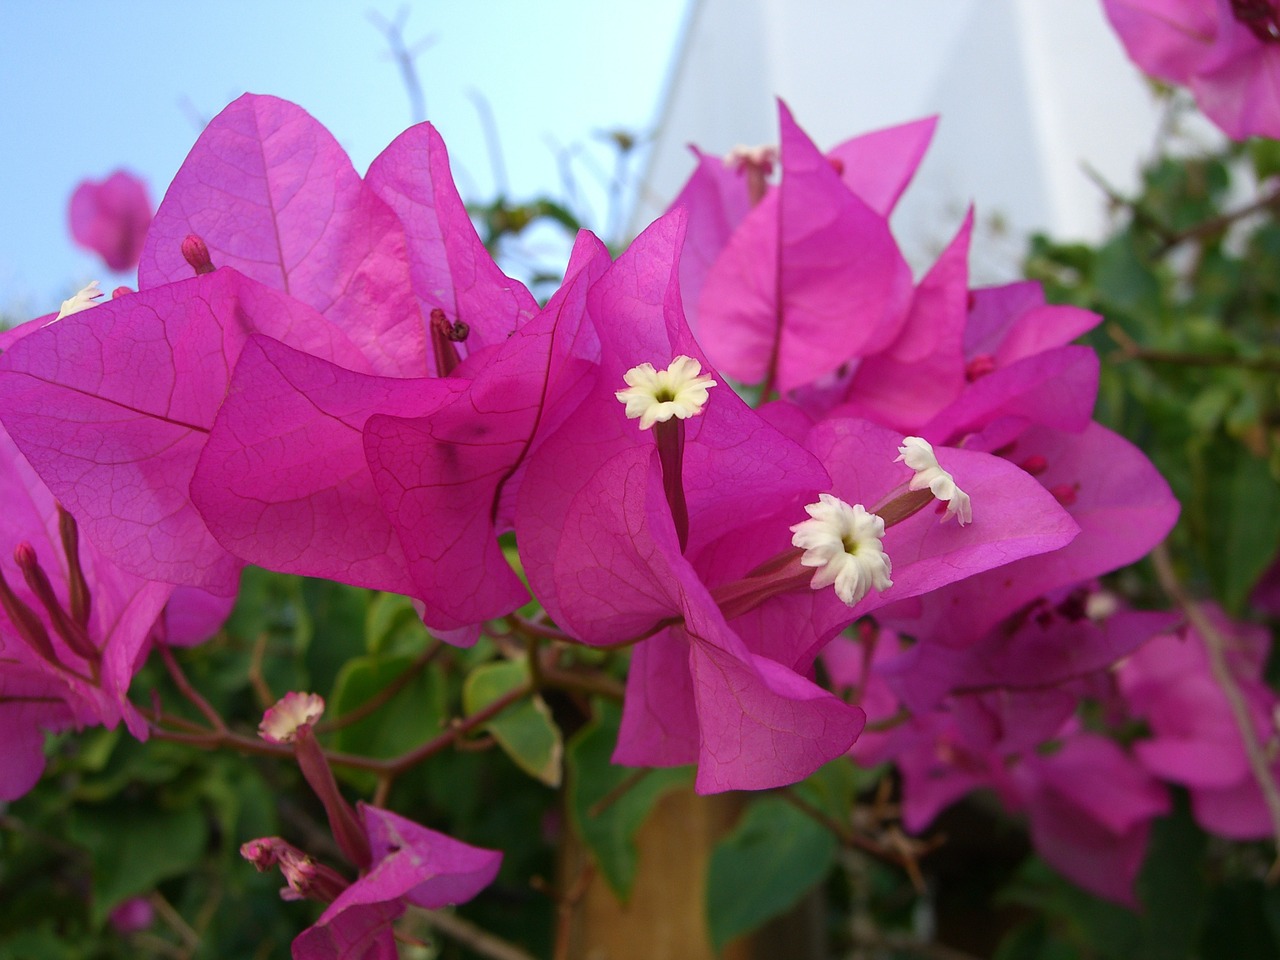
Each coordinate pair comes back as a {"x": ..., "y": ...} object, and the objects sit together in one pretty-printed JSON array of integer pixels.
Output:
[
  {"x": 385, "y": 695},
  {"x": 405, "y": 55},
  {"x": 1130, "y": 349},
  {"x": 187, "y": 690},
  {"x": 190, "y": 939},
  {"x": 473, "y": 937},
  {"x": 901, "y": 851},
  {"x": 1214, "y": 225},
  {"x": 900, "y": 943},
  {"x": 531, "y": 628},
  {"x": 566, "y": 903},
  {"x": 623, "y": 787},
  {"x": 598, "y": 684},
  {"x": 490, "y": 127},
  {"x": 1215, "y": 645},
  {"x": 258, "y": 680}
]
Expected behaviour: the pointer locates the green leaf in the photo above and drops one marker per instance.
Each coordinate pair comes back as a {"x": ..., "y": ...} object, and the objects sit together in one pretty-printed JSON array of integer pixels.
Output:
[
  {"x": 1172, "y": 887},
  {"x": 525, "y": 729},
  {"x": 1237, "y": 925},
  {"x": 1265, "y": 155},
  {"x": 1241, "y": 520},
  {"x": 392, "y": 625},
  {"x": 1066, "y": 921},
  {"x": 336, "y": 619},
  {"x": 608, "y": 804},
  {"x": 1125, "y": 280},
  {"x": 133, "y": 847},
  {"x": 766, "y": 865},
  {"x": 413, "y": 715}
]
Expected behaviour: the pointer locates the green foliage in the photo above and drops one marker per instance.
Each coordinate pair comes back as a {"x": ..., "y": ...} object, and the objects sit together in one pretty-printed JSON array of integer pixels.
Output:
[
  {"x": 1190, "y": 342},
  {"x": 608, "y": 804},
  {"x": 774, "y": 856},
  {"x": 525, "y": 730}
]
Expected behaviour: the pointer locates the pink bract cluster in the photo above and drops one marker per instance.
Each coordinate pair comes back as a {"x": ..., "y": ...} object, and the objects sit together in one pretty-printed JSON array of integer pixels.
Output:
[
  {"x": 326, "y": 374},
  {"x": 1226, "y": 51}
]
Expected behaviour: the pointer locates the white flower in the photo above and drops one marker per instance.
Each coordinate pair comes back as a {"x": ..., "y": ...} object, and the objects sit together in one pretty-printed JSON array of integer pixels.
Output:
[
  {"x": 917, "y": 453},
  {"x": 658, "y": 395},
  {"x": 843, "y": 542},
  {"x": 83, "y": 300}
]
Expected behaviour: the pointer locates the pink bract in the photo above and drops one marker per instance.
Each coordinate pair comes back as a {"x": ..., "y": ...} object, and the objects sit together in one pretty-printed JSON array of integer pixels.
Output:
[
  {"x": 59, "y": 691},
  {"x": 118, "y": 449},
  {"x": 810, "y": 279},
  {"x": 110, "y": 217},
  {"x": 411, "y": 865},
  {"x": 1233, "y": 71}
]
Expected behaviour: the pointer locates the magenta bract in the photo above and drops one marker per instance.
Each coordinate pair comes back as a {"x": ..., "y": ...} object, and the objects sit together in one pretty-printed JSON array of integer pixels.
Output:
[
  {"x": 810, "y": 279},
  {"x": 61, "y": 687},
  {"x": 1233, "y": 71},
  {"x": 119, "y": 449},
  {"x": 110, "y": 217}
]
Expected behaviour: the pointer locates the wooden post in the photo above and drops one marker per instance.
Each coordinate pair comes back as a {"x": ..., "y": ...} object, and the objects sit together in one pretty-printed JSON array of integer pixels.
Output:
[{"x": 665, "y": 917}]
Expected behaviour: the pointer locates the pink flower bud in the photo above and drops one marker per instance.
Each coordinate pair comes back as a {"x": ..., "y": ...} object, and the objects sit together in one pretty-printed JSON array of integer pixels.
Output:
[
  {"x": 979, "y": 367},
  {"x": 196, "y": 252},
  {"x": 1065, "y": 493},
  {"x": 1035, "y": 465}
]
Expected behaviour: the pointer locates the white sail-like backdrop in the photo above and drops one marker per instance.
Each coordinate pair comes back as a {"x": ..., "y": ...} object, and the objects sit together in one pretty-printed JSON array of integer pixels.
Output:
[{"x": 1029, "y": 91}]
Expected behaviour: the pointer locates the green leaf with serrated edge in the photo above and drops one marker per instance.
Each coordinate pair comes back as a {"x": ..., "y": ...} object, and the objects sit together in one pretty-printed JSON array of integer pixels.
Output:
[
  {"x": 608, "y": 804},
  {"x": 133, "y": 848},
  {"x": 524, "y": 730},
  {"x": 772, "y": 858}
]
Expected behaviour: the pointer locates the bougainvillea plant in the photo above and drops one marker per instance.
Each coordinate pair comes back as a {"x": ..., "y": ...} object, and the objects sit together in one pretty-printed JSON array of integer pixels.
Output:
[{"x": 344, "y": 556}]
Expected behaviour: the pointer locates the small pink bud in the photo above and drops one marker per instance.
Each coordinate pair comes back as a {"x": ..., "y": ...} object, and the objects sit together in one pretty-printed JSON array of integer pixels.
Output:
[
  {"x": 72, "y": 632},
  {"x": 307, "y": 879},
  {"x": 264, "y": 853},
  {"x": 1065, "y": 493},
  {"x": 1035, "y": 465},
  {"x": 979, "y": 367},
  {"x": 121, "y": 291},
  {"x": 196, "y": 252},
  {"x": 837, "y": 165},
  {"x": 24, "y": 555}
]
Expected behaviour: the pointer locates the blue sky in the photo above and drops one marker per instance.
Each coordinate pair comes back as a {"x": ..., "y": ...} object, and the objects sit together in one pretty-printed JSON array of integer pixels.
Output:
[{"x": 90, "y": 88}]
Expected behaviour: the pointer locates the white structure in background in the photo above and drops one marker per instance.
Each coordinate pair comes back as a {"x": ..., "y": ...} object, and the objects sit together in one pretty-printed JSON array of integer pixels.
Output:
[{"x": 1029, "y": 92}]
